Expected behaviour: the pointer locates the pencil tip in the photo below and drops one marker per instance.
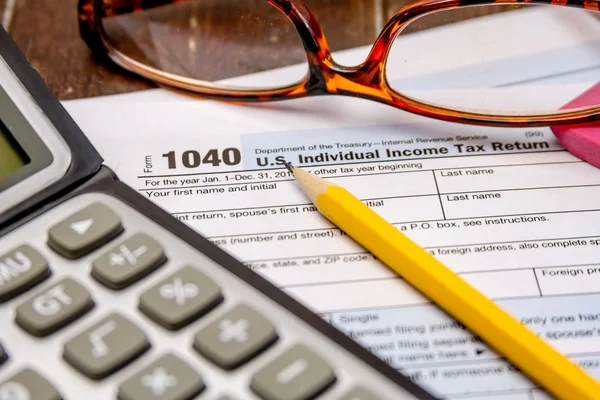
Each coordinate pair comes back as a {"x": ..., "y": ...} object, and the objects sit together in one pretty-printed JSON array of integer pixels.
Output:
[
  {"x": 311, "y": 184},
  {"x": 289, "y": 166}
]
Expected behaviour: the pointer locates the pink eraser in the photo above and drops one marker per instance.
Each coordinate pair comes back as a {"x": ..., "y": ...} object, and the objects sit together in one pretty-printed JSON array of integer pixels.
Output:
[{"x": 582, "y": 141}]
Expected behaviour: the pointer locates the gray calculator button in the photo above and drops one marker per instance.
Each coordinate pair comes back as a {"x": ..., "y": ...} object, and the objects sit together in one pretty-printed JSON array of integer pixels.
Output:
[
  {"x": 128, "y": 262},
  {"x": 21, "y": 269},
  {"x": 106, "y": 347},
  {"x": 3, "y": 355},
  {"x": 298, "y": 374},
  {"x": 359, "y": 394},
  {"x": 168, "y": 378},
  {"x": 84, "y": 231},
  {"x": 54, "y": 308},
  {"x": 28, "y": 385},
  {"x": 235, "y": 337},
  {"x": 181, "y": 298}
]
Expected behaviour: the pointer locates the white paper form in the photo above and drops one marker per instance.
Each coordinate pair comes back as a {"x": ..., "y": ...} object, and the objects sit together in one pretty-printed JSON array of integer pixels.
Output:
[{"x": 508, "y": 209}]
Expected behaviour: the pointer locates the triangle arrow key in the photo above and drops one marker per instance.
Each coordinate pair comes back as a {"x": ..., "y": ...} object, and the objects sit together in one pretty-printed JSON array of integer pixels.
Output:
[
  {"x": 84, "y": 231},
  {"x": 81, "y": 227}
]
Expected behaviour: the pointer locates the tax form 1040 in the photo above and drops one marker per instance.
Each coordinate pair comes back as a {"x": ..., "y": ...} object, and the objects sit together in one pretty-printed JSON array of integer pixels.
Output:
[{"x": 508, "y": 209}]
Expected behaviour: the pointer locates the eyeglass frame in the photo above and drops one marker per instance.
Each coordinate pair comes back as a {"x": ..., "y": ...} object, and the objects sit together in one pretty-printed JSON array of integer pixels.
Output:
[{"x": 325, "y": 76}]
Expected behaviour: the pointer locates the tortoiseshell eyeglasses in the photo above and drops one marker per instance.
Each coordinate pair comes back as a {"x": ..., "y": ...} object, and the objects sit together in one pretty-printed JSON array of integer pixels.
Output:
[{"x": 496, "y": 63}]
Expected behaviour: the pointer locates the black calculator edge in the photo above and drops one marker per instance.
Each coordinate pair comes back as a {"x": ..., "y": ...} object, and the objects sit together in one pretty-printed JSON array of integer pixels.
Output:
[
  {"x": 85, "y": 160},
  {"x": 163, "y": 218}
]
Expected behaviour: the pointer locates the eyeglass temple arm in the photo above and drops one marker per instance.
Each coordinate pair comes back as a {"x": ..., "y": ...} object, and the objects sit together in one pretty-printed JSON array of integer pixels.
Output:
[{"x": 119, "y": 7}]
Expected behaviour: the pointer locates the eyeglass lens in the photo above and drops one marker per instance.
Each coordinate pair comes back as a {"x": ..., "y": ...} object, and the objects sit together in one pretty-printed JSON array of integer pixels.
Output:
[
  {"x": 211, "y": 40},
  {"x": 499, "y": 59}
]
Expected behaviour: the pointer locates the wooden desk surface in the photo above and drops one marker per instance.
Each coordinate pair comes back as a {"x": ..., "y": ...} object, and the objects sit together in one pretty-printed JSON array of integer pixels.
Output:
[{"x": 47, "y": 32}]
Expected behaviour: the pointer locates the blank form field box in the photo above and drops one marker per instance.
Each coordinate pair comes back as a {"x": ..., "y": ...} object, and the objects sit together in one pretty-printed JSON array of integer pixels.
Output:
[
  {"x": 408, "y": 209},
  {"x": 326, "y": 269},
  {"x": 390, "y": 184},
  {"x": 569, "y": 280},
  {"x": 526, "y": 201},
  {"x": 516, "y": 177},
  {"x": 357, "y": 295},
  {"x": 504, "y": 284}
]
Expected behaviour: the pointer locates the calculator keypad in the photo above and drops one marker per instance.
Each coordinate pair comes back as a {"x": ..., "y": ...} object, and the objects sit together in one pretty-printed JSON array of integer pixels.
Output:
[
  {"x": 21, "y": 269},
  {"x": 129, "y": 329},
  {"x": 84, "y": 231},
  {"x": 28, "y": 385},
  {"x": 181, "y": 298},
  {"x": 54, "y": 308},
  {"x": 128, "y": 262},
  {"x": 168, "y": 378},
  {"x": 295, "y": 375},
  {"x": 105, "y": 347},
  {"x": 235, "y": 337}
]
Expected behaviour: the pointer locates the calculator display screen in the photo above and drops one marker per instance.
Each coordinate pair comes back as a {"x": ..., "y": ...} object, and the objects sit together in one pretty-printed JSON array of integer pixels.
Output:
[
  {"x": 23, "y": 152},
  {"x": 12, "y": 156},
  {"x": 33, "y": 154}
]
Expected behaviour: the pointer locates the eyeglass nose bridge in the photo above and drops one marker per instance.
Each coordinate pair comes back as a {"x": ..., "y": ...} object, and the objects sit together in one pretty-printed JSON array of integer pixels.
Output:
[
  {"x": 367, "y": 79},
  {"x": 326, "y": 76}
]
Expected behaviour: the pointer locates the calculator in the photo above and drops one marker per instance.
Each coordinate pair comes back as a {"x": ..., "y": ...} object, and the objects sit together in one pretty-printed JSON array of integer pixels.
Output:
[{"x": 103, "y": 295}]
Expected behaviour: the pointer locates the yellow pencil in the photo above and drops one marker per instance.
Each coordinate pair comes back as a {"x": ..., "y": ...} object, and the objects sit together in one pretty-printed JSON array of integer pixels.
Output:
[{"x": 523, "y": 348}]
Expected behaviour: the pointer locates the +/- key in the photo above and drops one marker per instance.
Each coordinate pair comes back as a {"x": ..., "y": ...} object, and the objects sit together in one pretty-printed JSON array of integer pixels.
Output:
[{"x": 128, "y": 261}]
